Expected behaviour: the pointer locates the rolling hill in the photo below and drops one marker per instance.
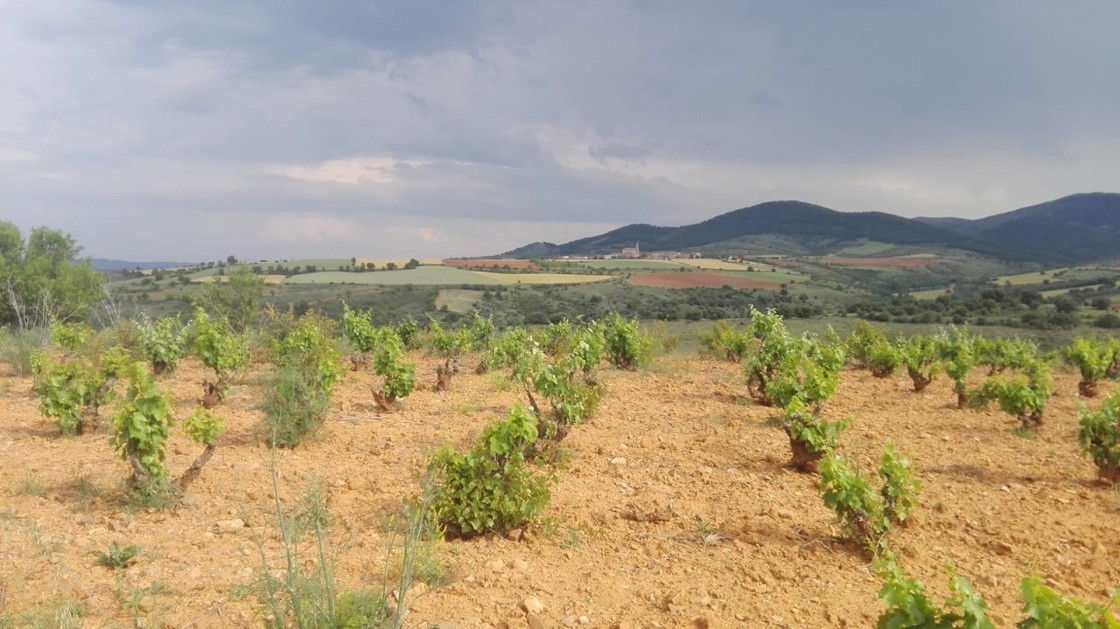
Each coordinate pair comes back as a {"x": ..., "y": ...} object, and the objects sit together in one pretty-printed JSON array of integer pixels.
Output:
[
  {"x": 816, "y": 229},
  {"x": 1073, "y": 229}
]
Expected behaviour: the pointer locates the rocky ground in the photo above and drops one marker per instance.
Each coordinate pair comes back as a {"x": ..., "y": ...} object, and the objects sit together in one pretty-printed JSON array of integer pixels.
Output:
[{"x": 673, "y": 508}]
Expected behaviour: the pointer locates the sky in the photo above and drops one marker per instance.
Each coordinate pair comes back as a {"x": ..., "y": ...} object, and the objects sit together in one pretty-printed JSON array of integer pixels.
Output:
[{"x": 270, "y": 129}]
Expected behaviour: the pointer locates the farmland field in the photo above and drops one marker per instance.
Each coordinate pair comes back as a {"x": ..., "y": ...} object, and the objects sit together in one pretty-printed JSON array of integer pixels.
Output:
[
  {"x": 629, "y": 265},
  {"x": 903, "y": 262},
  {"x": 741, "y": 540},
  {"x": 513, "y": 264},
  {"x": 540, "y": 278},
  {"x": 429, "y": 275},
  {"x": 694, "y": 279}
]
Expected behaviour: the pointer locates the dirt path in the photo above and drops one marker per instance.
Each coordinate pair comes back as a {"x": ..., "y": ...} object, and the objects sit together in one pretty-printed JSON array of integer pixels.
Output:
[{"x": 738, "y": 540}]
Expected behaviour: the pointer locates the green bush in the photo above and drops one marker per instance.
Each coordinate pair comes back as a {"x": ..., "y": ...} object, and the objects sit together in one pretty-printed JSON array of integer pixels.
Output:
[
  {"x": 309, "y": 345},
  {"x": 809, "y": 371},
  {"x": 1099, "y": 434},
  {"x": 908, "y": 605},
  {"x": 218, "y": 346},
  {"x": 507, "y": 351},
  {"x": 774, "y": 346},
  {"x": 999, "y": 355},
  {"x": 141, "y": 429},
  {"x": 958, "y": 357},
  {"x": 359, "y": 330},
  {"x": 488, "y": 489},
  {"x": 17, "y": 347},
  {"x": 70, "y": 336},
  {"x": 864, "y": 514},
  {"x": 726, "y": 341},
  {"x": 810, "y": 437},
  {"x": 628, "y": 346},
  {"x": 570, "y": 400},
  {"x": 883, "y": 358},
  {"x": 398, "y": 378},
  {"x": 919, "y": 354},
  {"x": 164, "y": 343},
  {"x": 1023, "y": 396},
  {"x": 294, "y": 406},
  {"x": 72, "y": 390},
  {"x": 1046, "y": 608},
  {"x": 1092, "y": 359},
  {"x": 863, "y": 343}
]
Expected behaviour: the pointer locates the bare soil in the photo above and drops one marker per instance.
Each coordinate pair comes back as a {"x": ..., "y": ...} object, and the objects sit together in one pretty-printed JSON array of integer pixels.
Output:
[
  {"x": 698, "y": 279},
  {"x": 675, "y": 507}
]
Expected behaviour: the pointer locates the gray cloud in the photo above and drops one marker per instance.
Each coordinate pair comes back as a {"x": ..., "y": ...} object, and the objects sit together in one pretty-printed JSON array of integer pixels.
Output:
[{"x": 267, "y": 129}]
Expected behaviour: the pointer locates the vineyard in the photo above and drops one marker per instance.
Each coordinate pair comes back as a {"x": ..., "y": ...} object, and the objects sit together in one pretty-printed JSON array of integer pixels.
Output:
[{"x": 306, "y": 472}]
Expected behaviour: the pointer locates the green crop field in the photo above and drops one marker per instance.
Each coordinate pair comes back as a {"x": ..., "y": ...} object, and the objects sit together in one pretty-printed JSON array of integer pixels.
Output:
[
  {"x": 424, "y": 275},
  {"x": 629, "y": 265},
  {"x": 869, "y": 248}
]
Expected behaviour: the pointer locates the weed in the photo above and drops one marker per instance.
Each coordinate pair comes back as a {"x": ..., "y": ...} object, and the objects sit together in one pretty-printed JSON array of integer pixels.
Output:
[
  {"x": 117, "y": 557},
  {"x": 31, "y": 485}
]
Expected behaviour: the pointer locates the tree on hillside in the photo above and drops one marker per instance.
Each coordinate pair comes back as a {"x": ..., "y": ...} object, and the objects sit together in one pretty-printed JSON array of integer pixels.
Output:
[
  {"x": 237, "y": 298},
  {"x": 43, "y": 280},
  {"x": 412, "y": 263}
]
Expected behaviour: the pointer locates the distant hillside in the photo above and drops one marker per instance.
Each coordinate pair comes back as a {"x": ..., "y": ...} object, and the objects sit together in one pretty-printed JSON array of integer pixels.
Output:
[
  {"x": 103, "y": 264},
  {"x": 817, "y": 229},
  {"x": 1077, "y": 228}
]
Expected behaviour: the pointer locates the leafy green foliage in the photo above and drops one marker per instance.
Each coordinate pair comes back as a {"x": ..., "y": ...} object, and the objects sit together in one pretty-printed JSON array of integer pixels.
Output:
[
  {"x": 45, "y": 279},
  {"x": 72, "y": 390},
  {"x": 628, "y": 345},
  {"x": 217, "y": 346},
  {"x": 725, "y": 340},
  {"x": 398, "y": 378},
  {"x": 308, "y": 344},
  {"x": 359, "y": 330},
  {"x": 164, "y": 342},
  {"x": 900, "y": 488},
  {"x": 908, "y": 605},
  {"x": 449, "y": 344},
  {"x": 203, "y": 426},
  {"x": 1002, "y": 354},
  {"x": 866, "y": 515},
  {"x": 70, "y": 336},
  {"x": 1099, "y": 435},
  {"x": 141, "y": 429},
  {"x": 1093, "y": 359},
  {"x": 863, "y": 342},
  {"x": 294, "y": 405},
  {"x": 118, "y": 557},
  {"x": 810, "y": 437},
  {"x": 775, "y": 343},
  {"x": 809, "y": 371},
  {"x": 409, "y": 331},
  {"x": 488, "y": 488},
  {"x": 571, "y": 400},
  {"x": 1022, "y": 395},
  {"x": 1046, "y": 608},
  {"x": 507, "y": 350},
  {"x": 919, "y": 354},
  {"x": 957, "y": 353},
  {"x": 883, "y": 358},
  {"x": 234, "y": 299}
]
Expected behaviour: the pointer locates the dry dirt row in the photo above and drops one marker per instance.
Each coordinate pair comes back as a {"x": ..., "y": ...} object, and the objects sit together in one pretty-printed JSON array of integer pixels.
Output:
[{"x": 739, "y": 540}]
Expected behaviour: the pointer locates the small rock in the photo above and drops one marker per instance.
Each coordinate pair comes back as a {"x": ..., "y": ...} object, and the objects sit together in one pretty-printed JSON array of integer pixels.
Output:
[
  {"x": 495, "y": 565},
  {"x": 569, "y": 621},
  {"x": 520, "y": 564},
  {"x": 785, "y": 514},
  {"x": 532, "y": 605},
  {"x": 584, "y": 620},
  {"x": 534, "y": 621},
  {"x": 1003, "y": 548},
  {"x": 515, "y": 534},
  {"x": 619, "y": 461},
  {"x": 229, "y": 526}
]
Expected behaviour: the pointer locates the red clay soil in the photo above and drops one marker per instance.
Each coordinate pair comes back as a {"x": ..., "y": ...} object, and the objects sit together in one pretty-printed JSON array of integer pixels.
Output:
[
  {"x": 739, "y": 539},
  {"x": 474, "y": 264},
  {"x": 698, "y": 279},
  {"x": 895, "y": 262}
]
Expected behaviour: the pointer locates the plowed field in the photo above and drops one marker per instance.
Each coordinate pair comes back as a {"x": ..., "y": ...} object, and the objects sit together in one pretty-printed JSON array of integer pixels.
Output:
[{"x": 674, "y": 508}]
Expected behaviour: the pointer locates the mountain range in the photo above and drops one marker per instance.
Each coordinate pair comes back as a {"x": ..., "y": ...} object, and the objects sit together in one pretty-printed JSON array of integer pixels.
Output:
[{"x": 1073, "y": 229}]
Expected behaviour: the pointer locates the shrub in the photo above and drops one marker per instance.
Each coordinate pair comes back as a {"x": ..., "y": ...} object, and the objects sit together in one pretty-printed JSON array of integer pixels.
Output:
[
  {"x": 294, "y": 405},
  {"x": 724, "y": 340},
  {"x": 955, "y": 350},
  {"x": 488, "y": 488},
  {"x": 163, "y": 342},
  {"x": 863, "y": 343},
  {"x": 218, "y": 347},
  {"x": 1046, "y": 608},
  {"x": 907, "y": 604},
  {"x": 810, "y": 437},
  {"x": 507, "y": 351},
  {"x": 398, "y": 378},
  {"x": 17, "y": 347},
  {"x": 449, "y": 344},
  {"x": 627, "y": 345},
  {"x": 866, "y": 515},
  {"x": 359, "y": 330},
  {"x": 1002, "y": 354},
  {"x": 1099, "y": 434},
  {"x": 70, "y": 336},
  {"x": 141, "y": 428},
  {"x": 808, "y": 370},
  {"x": 117, "y": 557},
  {"x": 570, "y": 400},
  {"x": 309, "y": 345},
  {"x": 1093, "y": 359},
  {"x": 919, "y": 354},
  {"x": 204, "y": 428},
  {"x": 1024, "y": 395},
  {"x": 409, "y": 332},
  {"x": 73, "y": 390},
  {"x": 883, "y": 358},
  {"x": 774, "y": 345}
]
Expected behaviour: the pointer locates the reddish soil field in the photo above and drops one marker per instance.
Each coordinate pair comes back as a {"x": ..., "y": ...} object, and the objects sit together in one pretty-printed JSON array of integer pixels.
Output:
[
  {"x": 698, "y": 279},
  {"x": 474, "y": 264},
  {"x": 895, "y": 262},
  {"x": 743, "y": 540}
]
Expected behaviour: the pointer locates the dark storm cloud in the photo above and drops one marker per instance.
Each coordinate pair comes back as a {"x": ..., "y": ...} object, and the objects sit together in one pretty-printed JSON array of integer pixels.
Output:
[{"x": 384, "y": 125}]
